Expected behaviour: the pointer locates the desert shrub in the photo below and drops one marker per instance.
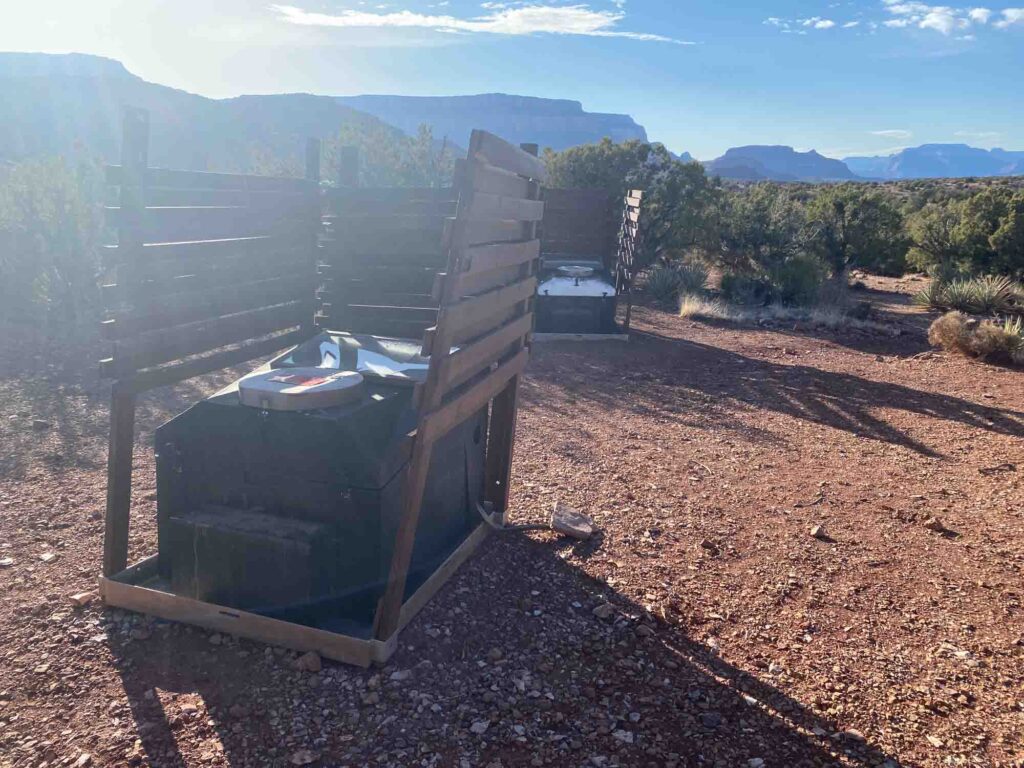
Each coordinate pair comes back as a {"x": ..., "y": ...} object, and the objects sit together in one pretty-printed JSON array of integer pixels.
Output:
[
  {"x": 663, "y": 284},
  {"x": 981, "y": 296},
  {"x": 693, "y": 278},
  {"x": 746, "y": 289},
  {"x": 666, "y": 283},
  {"x": 798, "y": 281},
  {"x": 50, "y": 227},
  {"x": 985, "y": 339}
]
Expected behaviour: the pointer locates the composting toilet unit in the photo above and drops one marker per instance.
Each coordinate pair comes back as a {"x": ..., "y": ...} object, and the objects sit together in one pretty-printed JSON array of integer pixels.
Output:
[
  {"x": 575, "y": 297},
  {"x": 281, "y": 493}
]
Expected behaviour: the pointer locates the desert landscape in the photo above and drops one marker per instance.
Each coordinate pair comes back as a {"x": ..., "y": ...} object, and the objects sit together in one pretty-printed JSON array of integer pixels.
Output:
[{"x": 807, "y": 554}]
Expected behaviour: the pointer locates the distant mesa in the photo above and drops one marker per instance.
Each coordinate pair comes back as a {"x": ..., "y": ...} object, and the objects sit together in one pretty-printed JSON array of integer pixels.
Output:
[
  {"x": 934, "y": 161},
  {"x": 192, "y": 131},
  {"x": 777, "y": 163},
  {"x": 555, "y": 123}
]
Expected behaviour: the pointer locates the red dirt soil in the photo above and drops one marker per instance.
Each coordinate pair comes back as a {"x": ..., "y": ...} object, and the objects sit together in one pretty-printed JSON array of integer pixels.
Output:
[{"x": 732, "y": 635}]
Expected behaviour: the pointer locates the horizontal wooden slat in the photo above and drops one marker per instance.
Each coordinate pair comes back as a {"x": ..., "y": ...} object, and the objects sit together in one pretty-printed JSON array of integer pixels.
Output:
[
  {"x": 484, "y": 232},
  {"x": 468, "y": 313},
  {"x": 400, "y": 279},
  {"x": 171, "y": 374},
  {"x": 385, "y": 243},
  {"x": 372, "y": 313},
  {"x": 498, "y": 152},
  {"x": 176, "y": 225},
  {"x": 468, "y": 361},
  {"x": 176, "y": 179},
  {"x": 484, "y": 258},
  {"x": 487, "y": 206},
  {"x": 471, "y": 285},
  {"x": 171, "y": 309},
  {"x": 353, "y": 196},
  {"x": 164, "y": 197},
  {"x": 497, "y": 181},
  {"x": 162, "y": 346},
  {"x": 395, "y": 327},
  {"x": 470, "y": 402}
]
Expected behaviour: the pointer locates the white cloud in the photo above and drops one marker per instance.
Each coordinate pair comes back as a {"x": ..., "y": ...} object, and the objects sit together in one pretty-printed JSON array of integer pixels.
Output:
[
  {"x": 824, "y": 24},
  {"x": 979, "y": 15},
  {"x": 524, "y": 20},
  {"x": 851, "y": 24},
  {"x": 893, "y": 133},
  {"x": 1011, "y": 16}
]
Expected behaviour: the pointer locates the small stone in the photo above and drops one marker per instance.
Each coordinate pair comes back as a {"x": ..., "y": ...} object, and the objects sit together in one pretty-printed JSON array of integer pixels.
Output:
[
  {"x": 755, "y": 762},
  {"x": 935, "y": 741},
  {"x": 818, "y": 532},
  {"x": 568, "y": 521},
  {"x": 644, "y": 630},
  {"x": 400, "y": 675},
  {"x": 140, "y": 633},
  {"x": 604, "y": 611},
  {"x": 82, "y": 599},
  {"x": 48, "y": 557},
  {"x": 303, "y": 757},
  {"x": 711, "y": 719},
  {"x": 775, "y": 669},
  {"x": 480, "y": 727},
  {"x": 40, "y": 424},
  {"x": 934, "y": 524},
  {"x": 709, "y": 546},
  {"x": 309, "y": 662},
  {"x": 239, "y": 711},
  {"x": 6, "y": 562},
  {"x": 373, "y": 697},
  {"x": 83, "y": 760},
  {"x": 626, "y": 737},
  {"x": 494, "y": 655},
  {"x": 216, "y": 639}
]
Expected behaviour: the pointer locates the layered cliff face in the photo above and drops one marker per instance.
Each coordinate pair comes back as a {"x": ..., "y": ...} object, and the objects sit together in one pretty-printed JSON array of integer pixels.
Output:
[{"x": 555, "y": 123}]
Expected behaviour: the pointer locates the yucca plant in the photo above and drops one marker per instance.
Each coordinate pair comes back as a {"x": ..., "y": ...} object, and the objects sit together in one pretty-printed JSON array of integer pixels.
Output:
[
  {"x": 667, "y": 283},
  {"x": 933, "y": 297},
  {"x": 992, "y": 294}
]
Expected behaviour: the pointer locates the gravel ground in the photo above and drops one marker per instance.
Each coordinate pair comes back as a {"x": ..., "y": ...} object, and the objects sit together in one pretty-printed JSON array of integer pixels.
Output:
[{"x": 704, "y": 625}]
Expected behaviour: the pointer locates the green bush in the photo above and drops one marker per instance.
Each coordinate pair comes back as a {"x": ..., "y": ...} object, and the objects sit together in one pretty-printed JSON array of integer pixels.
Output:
[
  {"x": 798, "y": 281},
  {"x": 746, "y": 289},
  {"x": 667, "y": 283}
]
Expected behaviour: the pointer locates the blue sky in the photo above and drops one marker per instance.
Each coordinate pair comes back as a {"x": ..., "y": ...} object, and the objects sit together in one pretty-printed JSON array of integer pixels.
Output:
[{"x": 840, "y": 77}]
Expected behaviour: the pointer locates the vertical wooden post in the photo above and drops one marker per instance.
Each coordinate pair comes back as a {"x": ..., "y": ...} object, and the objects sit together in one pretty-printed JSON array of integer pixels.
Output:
[
  {"x": 348, "y": 166},
  {"x": 134, "y": 159},
  {"x": 313, "y": 221}
]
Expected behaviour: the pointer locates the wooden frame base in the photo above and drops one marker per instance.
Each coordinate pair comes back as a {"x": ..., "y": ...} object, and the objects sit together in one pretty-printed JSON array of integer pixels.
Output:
[
  {"x": 580, "y": 337},
  {"x": 134, "y": 589}
]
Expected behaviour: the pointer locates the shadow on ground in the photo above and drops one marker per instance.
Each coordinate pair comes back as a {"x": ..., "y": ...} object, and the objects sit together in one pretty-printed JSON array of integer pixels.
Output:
[{"x": 693, "y": 383}]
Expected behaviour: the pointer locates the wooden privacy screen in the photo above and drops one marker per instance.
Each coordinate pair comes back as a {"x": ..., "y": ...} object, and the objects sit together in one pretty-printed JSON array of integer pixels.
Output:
[
  {"x": 485, "y": 315},
  {"x": 209, "y": 270},
  {"x": 580, "y": 223},
  {"x": 628, "y": 250},
  {"x": 381, "y": 255}
]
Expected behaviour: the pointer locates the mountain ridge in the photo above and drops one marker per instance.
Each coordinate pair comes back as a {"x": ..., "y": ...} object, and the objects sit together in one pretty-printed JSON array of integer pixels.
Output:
[
  {"x": 555, "y": 123},
  {"x": 929, "y": 161}
]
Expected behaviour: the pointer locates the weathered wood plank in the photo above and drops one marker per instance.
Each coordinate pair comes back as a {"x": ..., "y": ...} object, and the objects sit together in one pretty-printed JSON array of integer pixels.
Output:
[
  {"x": 468, "y": 361},
  {"x": 469, "y": 313},
  {"x": 487, "y": 207},
  {"x": 498, "y": 152}
]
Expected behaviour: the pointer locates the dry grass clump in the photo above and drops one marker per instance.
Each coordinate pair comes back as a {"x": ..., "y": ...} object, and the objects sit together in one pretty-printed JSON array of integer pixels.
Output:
[
  {"x": 991, "y": 340},
  {"x": 699, "y": 307}
]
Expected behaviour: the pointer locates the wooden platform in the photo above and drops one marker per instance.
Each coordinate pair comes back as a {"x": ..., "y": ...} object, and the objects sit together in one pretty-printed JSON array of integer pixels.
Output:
[
  {"x": 139, "y": 588},
  {"x": 580, "y": 337}
]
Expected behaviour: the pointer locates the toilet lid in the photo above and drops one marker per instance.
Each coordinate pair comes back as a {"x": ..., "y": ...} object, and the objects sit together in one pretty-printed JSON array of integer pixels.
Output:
[{"x": 300, "y": 389}]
